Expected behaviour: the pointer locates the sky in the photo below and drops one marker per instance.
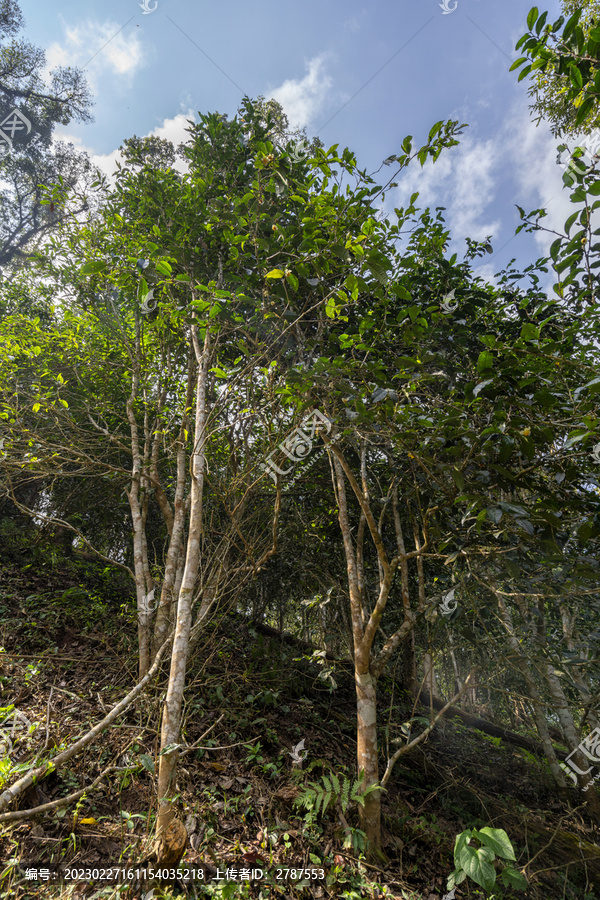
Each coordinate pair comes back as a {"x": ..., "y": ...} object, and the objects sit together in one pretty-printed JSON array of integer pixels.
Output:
[{"x": 358, "y": 75}]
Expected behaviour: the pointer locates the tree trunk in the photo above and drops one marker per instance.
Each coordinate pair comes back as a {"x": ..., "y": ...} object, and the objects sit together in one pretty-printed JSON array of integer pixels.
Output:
[
  {"x": 171, "y": 720},
  {"x": 367, "y": 757},
  {"x": 429, "y": 673}
]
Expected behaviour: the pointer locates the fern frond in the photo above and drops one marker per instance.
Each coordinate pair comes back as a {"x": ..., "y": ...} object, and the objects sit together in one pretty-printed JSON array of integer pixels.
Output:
[{"x": 345, "y": 793}]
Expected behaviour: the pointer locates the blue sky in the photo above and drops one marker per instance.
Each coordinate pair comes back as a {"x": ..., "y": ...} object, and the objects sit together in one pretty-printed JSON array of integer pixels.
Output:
[{"x": 363, "y": 76}]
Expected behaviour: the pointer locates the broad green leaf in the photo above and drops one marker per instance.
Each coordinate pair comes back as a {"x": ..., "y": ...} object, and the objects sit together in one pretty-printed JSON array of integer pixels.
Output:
[
  {"x": 530, "y": 332},
  {"x": 477, "y": 863},
  {"x": 585, "y": 109},
  {"x": 163, "y": 267},
  {"x": 93, "y": 268},
  {"x": 511, "y": 878},
  {"x": 147, "y": 762},
  {"x": 275, "y": 273},
  {"x": 531, "y": 17},
  {"x": 571, "y": 24},
  {"x": 576, "y": 77},
  {"x": 576, "y": 438},
  {"x": 485, "y": 361},
  {"x": 458, "y": 479}
]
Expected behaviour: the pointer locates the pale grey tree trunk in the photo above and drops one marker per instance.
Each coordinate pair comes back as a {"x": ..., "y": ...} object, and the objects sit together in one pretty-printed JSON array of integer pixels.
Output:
[{"x": 171, "y": 719}]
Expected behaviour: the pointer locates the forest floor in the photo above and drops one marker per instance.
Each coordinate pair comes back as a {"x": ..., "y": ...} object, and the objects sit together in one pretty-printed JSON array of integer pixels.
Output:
[{"x": 69, "y": 655}]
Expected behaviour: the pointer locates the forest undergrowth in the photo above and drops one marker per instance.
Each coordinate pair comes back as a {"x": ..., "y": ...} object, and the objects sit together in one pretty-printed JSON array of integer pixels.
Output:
[{"x": 267, "y": 781}]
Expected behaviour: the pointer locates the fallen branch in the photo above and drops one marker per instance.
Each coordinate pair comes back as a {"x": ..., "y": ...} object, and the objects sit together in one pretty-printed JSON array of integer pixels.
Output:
[
  {"x": 21, "y": 814},
  {"x": 36, "y": 775},
  {"x": 510, "y": 737},
  {"x": 423, "y": 735}
]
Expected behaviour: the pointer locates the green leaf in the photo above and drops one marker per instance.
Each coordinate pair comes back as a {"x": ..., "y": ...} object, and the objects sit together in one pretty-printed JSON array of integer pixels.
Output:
[
  {"x": 529, "y": 332},
  {"x": 555, "y": 248},
  {"x": 531, "y": 17},
  {"x": 163, "y": 267},
  {"x": 458, "y": 479},
  {"x": 570, "y": 221},
  {"x": 541, "y": 22},
  {"x": 585, "y": 109},
  {"x": 498, "y": 841},
  {"x": 511, "y": 878},
  {"x": 576, "y": 77},
  {"x": 518, "y": 62},
  {"x": 571, "y": 23},
  {"x": 575, "y": 439},
  {"x": 147, "y": 762},
  {"x": 93, "y": 268},
  {"x": 485, "y": 361},
  {"x": 275, "y": 273},
  {"x": 477, "y": 864},
  {"x": 594, "y": 188}
]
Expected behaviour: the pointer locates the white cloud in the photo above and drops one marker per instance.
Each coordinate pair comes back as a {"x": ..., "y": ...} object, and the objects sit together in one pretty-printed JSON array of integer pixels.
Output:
[
  {"x": 517, "y": 166},
  {"x": 302, "y": 99},
  {"x": 539, "y": 178},
  {"x": 462, "y": 180},
  {"x": 98, "y": 47},
  {"x": 173, "y": 130}
]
